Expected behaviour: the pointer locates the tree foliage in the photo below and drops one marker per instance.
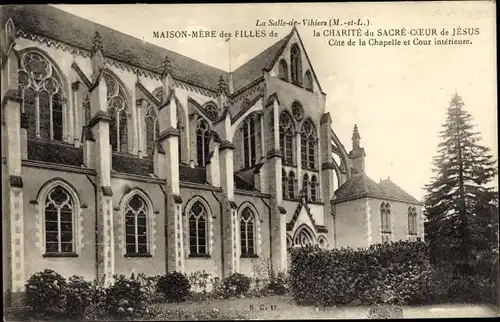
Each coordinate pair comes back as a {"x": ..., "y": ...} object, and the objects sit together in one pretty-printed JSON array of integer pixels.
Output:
[{"x": 462, "y": 211}]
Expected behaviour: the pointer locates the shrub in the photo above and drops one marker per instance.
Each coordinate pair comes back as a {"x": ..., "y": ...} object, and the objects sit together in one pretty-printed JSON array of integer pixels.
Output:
[
  {"x": 78, "y": 296},
  {"x": 204, "y": 314},
  {"x": 199, "y": 281},
  {"x": 235, "y": 284},
  {"x": 150, "y": 284},
  {"x": 45, "y": 293},
  {"x": 126, "y": 298},
  {"x": 175, "y": 286},
  {"x": 277, "y": 284},
  {"x": 347, "y": 276}
]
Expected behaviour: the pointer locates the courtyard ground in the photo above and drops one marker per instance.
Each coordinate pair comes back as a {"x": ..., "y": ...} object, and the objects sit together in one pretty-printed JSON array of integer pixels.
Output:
[{"x": 283, "y": 307}]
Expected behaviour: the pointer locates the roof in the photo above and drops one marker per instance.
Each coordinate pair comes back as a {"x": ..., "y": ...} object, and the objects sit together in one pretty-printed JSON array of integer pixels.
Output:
[
  {"x": 59, "y": 25},
  {"x": 243, "y": 183},
  {"x": 291, "y": 224},
  {"x": 392, "y": 189},
  {"x": 46, "y": 20},
  {"x": 360, "y": 185},
  {"x": 252, "y": 70}
]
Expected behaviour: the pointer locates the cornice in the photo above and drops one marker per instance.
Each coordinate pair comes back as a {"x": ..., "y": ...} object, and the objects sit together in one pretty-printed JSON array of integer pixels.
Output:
[
  {"x": 199, "y": 186},
  {"x": 251, "y": 193},
  {"x": 136, "y": 177},
  {"x": 59, "y": 167}
]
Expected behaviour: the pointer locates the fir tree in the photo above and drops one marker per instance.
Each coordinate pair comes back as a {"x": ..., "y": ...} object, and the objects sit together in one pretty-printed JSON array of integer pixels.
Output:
[{"x": 460, "y": 207}]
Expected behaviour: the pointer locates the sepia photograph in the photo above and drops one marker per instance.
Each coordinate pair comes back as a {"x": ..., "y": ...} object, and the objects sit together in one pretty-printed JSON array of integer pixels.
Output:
[{"x": 249, "y": 161}]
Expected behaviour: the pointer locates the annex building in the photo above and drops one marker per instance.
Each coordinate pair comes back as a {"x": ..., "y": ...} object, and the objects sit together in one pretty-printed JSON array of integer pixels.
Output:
[{"x": 120, "y": 156}]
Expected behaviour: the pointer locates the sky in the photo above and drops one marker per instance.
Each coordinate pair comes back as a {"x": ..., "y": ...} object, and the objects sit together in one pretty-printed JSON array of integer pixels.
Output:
[{"x": 397, "y": 95}]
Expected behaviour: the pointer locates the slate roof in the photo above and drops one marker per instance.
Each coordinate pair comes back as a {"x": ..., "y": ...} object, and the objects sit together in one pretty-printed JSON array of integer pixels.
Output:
[
  {"x": 360, "y": 185},
  {"x": 51, "y": 22},
  {"x": 57, "y": 24},
  {"x": 252, "y": 70},
  {"x": 392, "y": 189}
]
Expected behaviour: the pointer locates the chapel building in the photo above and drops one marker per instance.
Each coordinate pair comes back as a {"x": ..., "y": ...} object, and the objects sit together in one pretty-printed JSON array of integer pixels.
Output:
[{"x": 120, "y": 156}]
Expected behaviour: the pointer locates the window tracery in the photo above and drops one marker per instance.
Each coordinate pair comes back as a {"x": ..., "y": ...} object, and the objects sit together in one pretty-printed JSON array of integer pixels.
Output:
[{"x": 43, "y": 96}]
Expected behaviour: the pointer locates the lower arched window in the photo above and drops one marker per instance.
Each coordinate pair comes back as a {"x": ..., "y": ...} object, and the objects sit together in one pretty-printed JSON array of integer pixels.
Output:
[
  {"x": 412, "y": 222},
  {"x": 136, "y": 226},
  {"x": 247, "y": 231},
  {"x": 385, "y": 221},
  {"x": 59, "y": 221},
  {"x": 291, "y": 185},
  {"x": 284, "y": 182},
  {"x": 314, "y": 186},
  {"x": 198, "y": 229}
]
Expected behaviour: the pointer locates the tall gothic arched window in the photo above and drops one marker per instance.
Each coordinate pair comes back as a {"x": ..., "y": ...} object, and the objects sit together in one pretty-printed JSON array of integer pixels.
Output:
[
  {"x": 247, "y": 232},
  {"x": 296, "y": 62},
  {"x": 308, "y": 145},
  {"x": 283, "y": 70},
  {"x": 59, "y": 221},
  {"x": 308, "y": 82},
  {"x": 198, "y": 229},
  {"x": 314, "y": 188},
  {"x": 43, "y": 96},
  {"x": 136, "y": 226},
  {"x": 284, "y": 183},
  {"x": 385, "y": 220},
  {"x": 249, "y": 140},
  {"x": 291, "y": 185},
  {"x": 152, "y": 128},
  {"x": 202, "y": 141},
  {"x": 287, "y": 130},
  {"x": 412, "y": 221},
  {"x": 305, "y": 186},
  {"x": 118, "y": 112}
]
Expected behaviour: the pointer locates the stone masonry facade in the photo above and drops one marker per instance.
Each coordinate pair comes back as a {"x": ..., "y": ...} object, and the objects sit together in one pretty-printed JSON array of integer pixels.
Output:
[{"x": 119, "y": 156}]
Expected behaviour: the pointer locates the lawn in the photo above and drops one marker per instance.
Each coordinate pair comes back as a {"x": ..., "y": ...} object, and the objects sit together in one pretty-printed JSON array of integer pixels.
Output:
[{"x": 283, "y": 307}]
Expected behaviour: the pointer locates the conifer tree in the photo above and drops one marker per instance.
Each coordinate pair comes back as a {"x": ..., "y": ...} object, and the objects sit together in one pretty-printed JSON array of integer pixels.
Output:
[{"x": 460, "y": 208}]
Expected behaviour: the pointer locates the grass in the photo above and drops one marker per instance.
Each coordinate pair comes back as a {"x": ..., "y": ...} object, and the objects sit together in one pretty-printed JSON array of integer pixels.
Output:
[{"x": 283, "y": 307}]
